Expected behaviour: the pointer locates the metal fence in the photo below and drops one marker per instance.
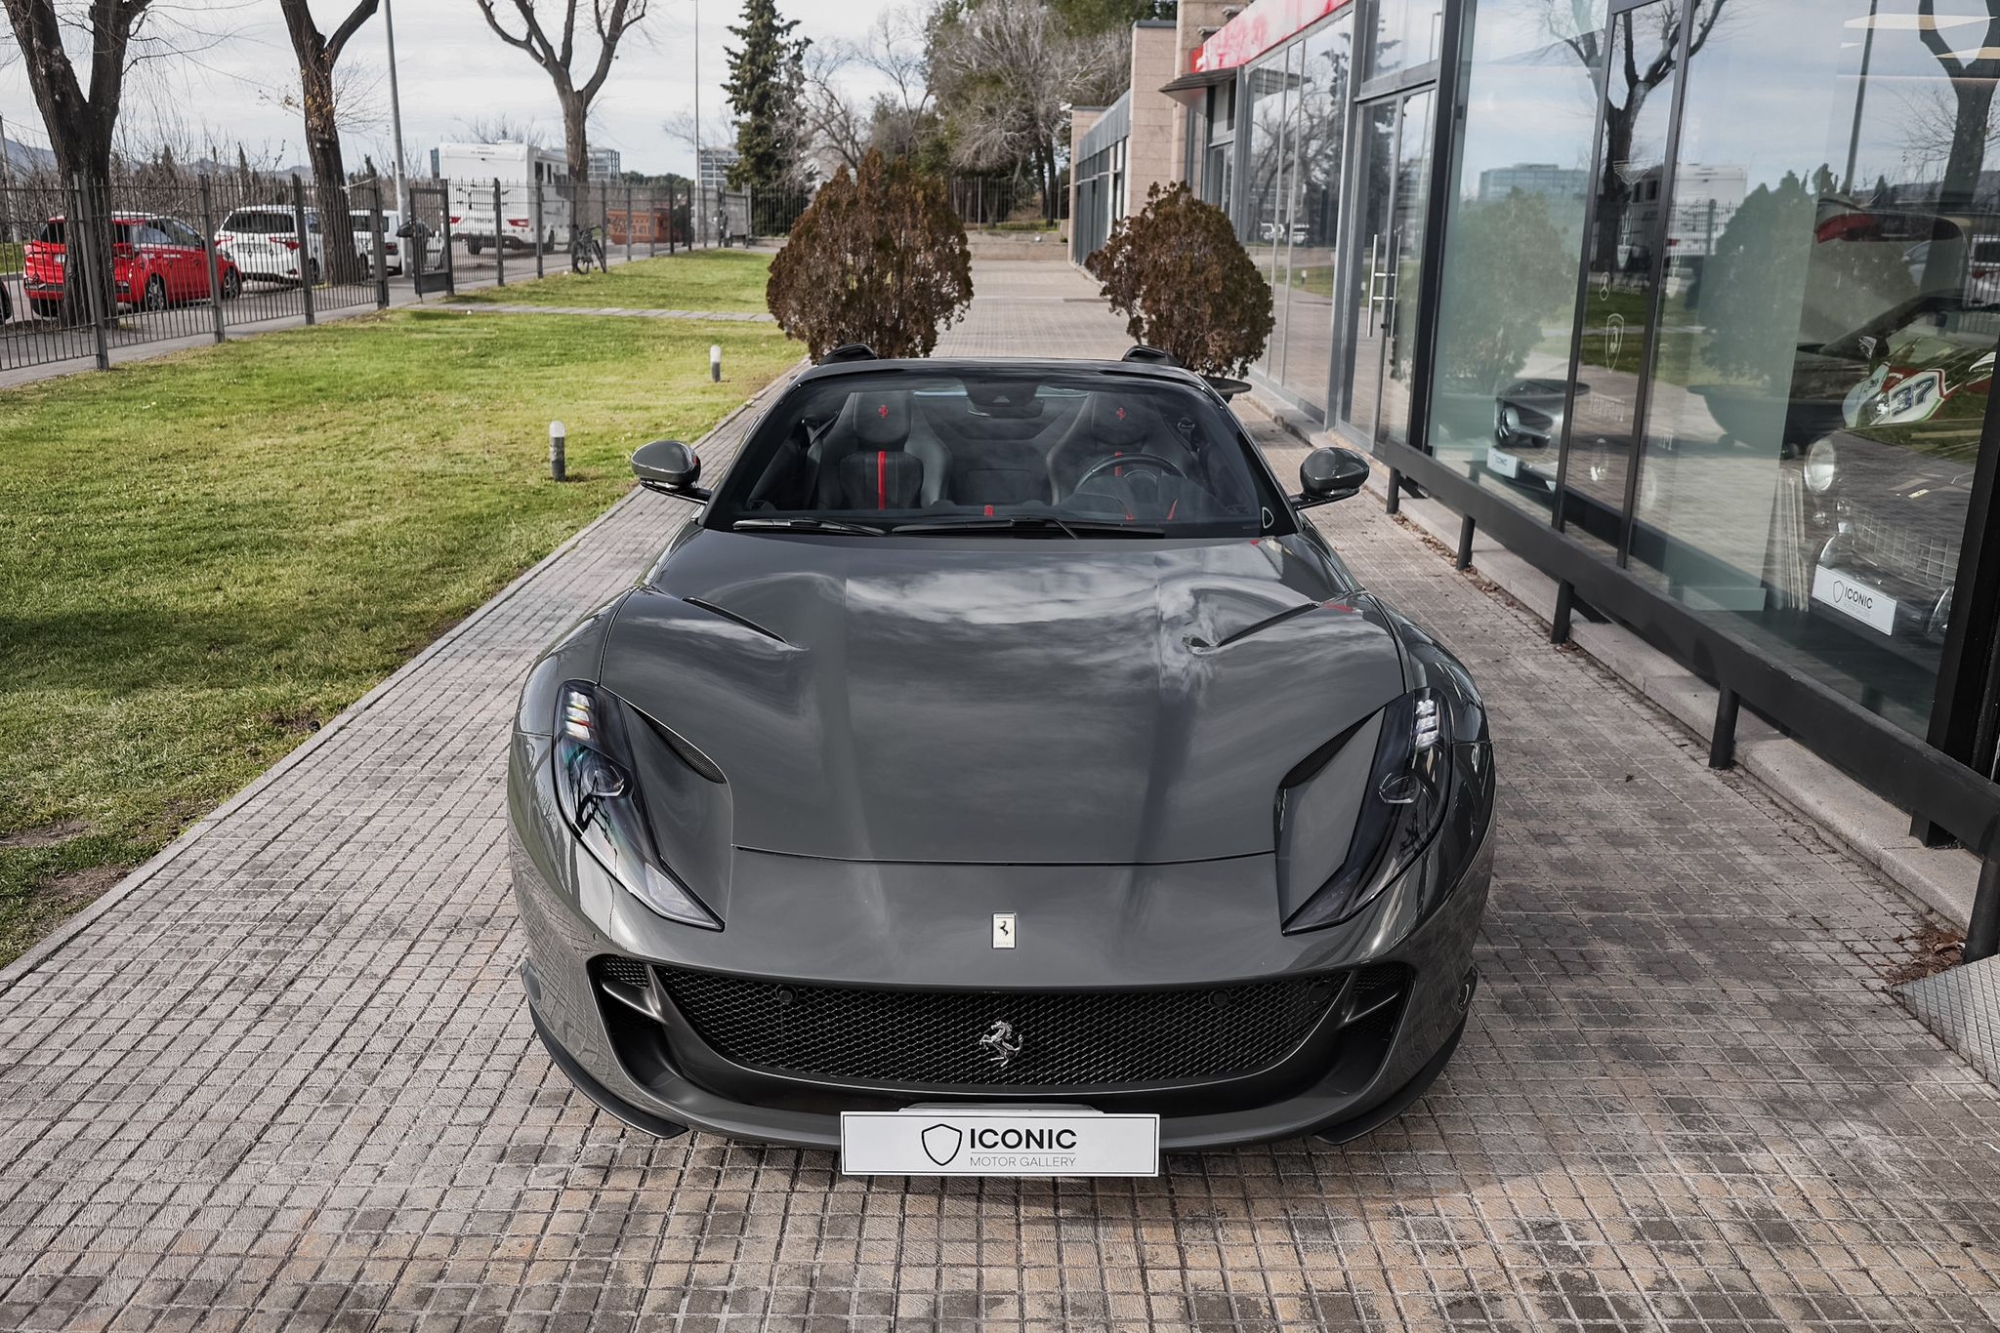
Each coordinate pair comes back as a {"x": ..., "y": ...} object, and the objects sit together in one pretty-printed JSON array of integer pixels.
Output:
[{"x": 159, "y": 257}]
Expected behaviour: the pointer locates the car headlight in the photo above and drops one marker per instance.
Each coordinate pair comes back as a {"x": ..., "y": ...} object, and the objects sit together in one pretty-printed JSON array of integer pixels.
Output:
[
  {"x": 1821, "y": 466},
  {"x": 1402, "y": 806},
  {"x": 600, "y": 803}
]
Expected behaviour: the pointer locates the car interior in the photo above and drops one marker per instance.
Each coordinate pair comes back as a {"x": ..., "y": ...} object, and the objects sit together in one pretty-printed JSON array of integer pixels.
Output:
[{"x": 1145, "y": 453}]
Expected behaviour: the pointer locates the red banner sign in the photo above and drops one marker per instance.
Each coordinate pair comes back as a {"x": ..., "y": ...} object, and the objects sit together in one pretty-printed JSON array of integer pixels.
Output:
[{"x": 1259, "y": 28}]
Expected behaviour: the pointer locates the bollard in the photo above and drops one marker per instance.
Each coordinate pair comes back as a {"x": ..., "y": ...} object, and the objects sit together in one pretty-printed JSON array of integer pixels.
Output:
[
  {"x": 558, "y": 451},
  {"x": 715, "y": 362}
]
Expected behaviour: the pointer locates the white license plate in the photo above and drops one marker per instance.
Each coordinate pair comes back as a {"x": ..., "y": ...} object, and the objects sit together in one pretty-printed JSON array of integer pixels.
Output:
[
  {"x": 961, "y": 1141},
  {"x": 1503, "y": 463},
  {"x": 1851, "y": 597}
]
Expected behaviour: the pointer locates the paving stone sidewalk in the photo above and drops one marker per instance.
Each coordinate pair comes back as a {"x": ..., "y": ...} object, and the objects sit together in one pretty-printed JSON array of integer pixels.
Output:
[{"x": 288, "y": 1081}]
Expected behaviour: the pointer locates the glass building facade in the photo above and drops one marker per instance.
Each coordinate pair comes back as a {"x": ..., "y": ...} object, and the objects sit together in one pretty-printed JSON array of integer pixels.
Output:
[{"x": 1694, "y": 302}]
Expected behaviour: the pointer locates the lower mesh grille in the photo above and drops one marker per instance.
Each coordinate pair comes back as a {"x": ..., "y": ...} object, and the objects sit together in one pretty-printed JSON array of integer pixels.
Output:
[{"x": 958, "y": 1038}]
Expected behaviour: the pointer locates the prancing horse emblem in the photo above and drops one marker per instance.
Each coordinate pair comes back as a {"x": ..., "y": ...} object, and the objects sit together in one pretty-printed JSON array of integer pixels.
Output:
[{"x": 1000, "y": 1043}]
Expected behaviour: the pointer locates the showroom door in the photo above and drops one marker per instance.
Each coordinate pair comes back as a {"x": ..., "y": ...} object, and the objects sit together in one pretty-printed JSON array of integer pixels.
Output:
[{"x": 1393, "y": 149}]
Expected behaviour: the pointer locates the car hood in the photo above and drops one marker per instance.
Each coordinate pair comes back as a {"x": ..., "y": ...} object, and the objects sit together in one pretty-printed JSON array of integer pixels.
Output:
[{"x": 1014, "y": 701}]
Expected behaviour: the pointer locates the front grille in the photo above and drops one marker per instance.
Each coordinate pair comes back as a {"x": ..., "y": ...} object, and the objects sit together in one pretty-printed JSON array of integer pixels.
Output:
[
  {"x": 1066, "y": 1038},
  {"x": 1929, "y": 560}
]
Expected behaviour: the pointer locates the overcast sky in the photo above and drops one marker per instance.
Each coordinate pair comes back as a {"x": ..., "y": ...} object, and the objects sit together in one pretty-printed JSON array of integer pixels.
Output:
[{"x": 238, "y": 82}]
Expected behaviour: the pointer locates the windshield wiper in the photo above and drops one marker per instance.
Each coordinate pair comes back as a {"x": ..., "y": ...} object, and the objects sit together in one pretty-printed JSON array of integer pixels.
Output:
[
  {"x": 1069, "y": 527},
  {"x": 803, "y": 525}
]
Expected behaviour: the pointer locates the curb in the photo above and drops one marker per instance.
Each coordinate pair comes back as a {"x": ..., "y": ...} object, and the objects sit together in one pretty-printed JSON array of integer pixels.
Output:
[{"x": 51, "y": 944}]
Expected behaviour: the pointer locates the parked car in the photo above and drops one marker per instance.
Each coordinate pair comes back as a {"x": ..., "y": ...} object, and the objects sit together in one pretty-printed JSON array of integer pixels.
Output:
[
  {"x": 157, "y": 261},
  {"x": 264, "y": 243},
  {"x": 1891, "y": 488},
  {"x": 997, "y": 753},
  {"x": 392, "y": 245}
]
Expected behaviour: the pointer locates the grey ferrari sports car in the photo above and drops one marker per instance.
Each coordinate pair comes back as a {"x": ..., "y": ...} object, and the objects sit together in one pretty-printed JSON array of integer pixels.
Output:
[{"x": 995, "y": 740}]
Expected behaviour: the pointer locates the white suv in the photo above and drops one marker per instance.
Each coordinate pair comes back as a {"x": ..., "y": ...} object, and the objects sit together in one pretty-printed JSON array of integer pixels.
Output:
[{"x": 264, "y": 243}]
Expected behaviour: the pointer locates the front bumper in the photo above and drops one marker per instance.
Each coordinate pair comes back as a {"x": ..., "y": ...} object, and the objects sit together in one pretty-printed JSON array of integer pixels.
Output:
[{"x": 1097, "y": 929}]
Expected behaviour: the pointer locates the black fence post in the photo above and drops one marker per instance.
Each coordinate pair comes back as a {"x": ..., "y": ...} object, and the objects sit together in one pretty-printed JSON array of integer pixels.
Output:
[
  {"x": 652, "y": 223},
  {"x": 379, "y": 245},
  {"x": 444, "y": 226},
  {"x": 1982, "y": 934},
  {"x": 604, "y": 222},
  {"x": 214, "y": 262},
  {"x": 539, "y": 256},
  {"x": 1394, "y": 504},
  {"x": 499, "y": 240},
  {"x": 1722, "y": 741},
  {"x": 81, "y": 232},
  {"x": 1465, "y": 530},
  {"x": 628, "y": 224},
  {"x": 305, "y": 247},
  {"x": 1559, "y": 626}
]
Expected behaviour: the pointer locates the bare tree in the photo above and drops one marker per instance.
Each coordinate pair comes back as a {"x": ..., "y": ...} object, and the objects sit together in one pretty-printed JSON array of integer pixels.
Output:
[
  {"x": 1646, "y": 47},
  {"x": 837, "y": 126},
  {"x": 318, "y": 55},
  {"x": 843, "y": 127},
  {"x": 1973, "y": 69},
  {"x": 502, "y": 128},
  {"x": 1006, "y": 74},
  {"x": 81, "y": 122},
  {"x": 606, "y": 25}
]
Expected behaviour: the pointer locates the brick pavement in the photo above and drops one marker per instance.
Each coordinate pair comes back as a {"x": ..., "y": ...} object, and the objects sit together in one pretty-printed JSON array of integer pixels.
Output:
[{"x": 288, "y": 1080}]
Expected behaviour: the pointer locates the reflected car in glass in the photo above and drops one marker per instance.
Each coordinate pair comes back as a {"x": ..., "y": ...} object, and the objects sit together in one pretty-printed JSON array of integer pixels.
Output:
[
  {"x": 1889, "y": 490},
  {"x": 997, "y": 734}
]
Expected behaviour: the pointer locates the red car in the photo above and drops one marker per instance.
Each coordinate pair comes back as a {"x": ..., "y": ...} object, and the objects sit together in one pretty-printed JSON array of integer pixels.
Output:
[{"x": 157, "y": 261}]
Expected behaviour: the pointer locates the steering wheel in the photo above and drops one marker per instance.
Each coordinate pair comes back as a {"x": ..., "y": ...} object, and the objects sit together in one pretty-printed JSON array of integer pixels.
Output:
[{"x": 1127, "y": 460}]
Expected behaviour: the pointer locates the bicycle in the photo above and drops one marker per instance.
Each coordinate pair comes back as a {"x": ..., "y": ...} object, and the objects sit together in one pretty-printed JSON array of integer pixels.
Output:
[{"x": 586, "y": 247}]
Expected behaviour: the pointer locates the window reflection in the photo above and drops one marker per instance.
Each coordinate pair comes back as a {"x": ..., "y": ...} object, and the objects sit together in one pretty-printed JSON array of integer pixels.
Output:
[
  {"x": 1408, "y": 33},
  {"x": 1627, "y": 239},
  {"x": 1532, "y": 75},
  {"x": 1827, "y": 338},
  {"x": 1311, "y": 273}
]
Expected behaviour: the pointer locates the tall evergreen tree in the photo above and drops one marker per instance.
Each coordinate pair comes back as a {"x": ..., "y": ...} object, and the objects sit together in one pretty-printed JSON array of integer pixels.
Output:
[{"x": 767, "y": 82}]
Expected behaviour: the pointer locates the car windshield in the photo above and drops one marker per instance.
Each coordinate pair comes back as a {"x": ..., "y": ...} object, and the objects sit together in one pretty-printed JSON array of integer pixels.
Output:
[{"x": 1006, "y": 451}]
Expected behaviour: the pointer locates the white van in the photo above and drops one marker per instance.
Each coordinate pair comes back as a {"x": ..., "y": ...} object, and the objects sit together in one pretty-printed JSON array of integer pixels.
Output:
[{"x": 471, "y": 169}]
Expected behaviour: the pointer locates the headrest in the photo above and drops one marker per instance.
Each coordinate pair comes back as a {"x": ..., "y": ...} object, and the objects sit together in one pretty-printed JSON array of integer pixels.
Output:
[
  {"x": 881, "y": 417},
  {"x": 881, "y": 479},
  {"x": 1115, "y": 419}
]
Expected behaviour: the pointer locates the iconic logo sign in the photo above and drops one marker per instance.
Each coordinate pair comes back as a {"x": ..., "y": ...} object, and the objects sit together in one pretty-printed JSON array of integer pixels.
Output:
[
  {"x": 1000, "y": 1043},
  {"x": 941, "y": 1143}
]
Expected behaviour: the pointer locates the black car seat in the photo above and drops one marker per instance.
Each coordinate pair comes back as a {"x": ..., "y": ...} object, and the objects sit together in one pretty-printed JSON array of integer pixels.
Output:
[
  {"x": 864, "y": 463},
  {"x": 1111, "y": 424}
]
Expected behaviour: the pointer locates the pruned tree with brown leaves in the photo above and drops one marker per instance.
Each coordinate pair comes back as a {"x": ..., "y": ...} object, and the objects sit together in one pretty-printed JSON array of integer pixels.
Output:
[
  {"x": 318, "y": 53},
  {"x": 563, "y": 49},
  {"x": 1177, "y": 269},
  {"x": 878, "y": 258}
]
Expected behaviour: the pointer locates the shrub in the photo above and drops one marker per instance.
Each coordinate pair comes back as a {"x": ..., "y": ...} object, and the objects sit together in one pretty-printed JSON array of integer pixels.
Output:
[
  {"x": 1178, "y": 270},
  {"x": 877, "y": 258}
]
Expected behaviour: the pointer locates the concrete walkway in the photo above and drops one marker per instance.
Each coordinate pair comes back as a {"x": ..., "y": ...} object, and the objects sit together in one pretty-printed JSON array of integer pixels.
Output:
[{"x": 286, "y": 1080}]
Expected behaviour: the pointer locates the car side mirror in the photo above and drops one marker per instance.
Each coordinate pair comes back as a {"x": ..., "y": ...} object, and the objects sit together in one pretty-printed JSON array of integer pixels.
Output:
[
  {"x": 669, "y": 466},
  {"x": 1328, "y": 475}
]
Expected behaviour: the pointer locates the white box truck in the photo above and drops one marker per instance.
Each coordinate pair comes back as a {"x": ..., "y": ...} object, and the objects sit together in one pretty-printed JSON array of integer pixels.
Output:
[{"x": 471, "y": 169}]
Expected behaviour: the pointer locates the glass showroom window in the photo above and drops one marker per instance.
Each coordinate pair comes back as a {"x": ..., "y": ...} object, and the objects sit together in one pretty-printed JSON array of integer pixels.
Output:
[
  {"x": 1409, "y": 33},
  {"x": 1532, "y": 79},
  {"x": 1829, "y": 315},
  {"x": 1218, "y": 171},
  {"x": 1273, "y": 83},
  {"x": 1326, "y": 67}
]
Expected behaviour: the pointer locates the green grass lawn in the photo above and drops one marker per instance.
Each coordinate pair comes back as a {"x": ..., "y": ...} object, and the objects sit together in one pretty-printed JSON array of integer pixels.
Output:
[
  {"x": 699, "y": 280},
  {"x": 203, "y": 558}
]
